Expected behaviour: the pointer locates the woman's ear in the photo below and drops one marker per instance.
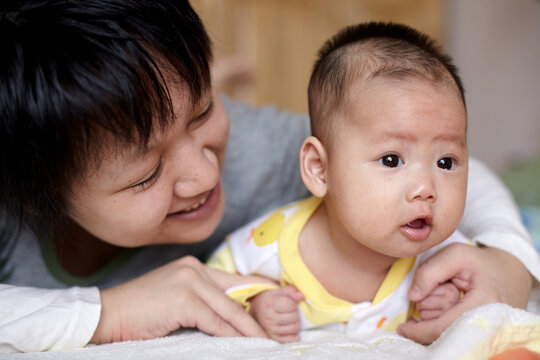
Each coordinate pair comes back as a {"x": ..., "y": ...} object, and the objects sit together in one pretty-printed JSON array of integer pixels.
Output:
[{"x": 313, "y": 166}]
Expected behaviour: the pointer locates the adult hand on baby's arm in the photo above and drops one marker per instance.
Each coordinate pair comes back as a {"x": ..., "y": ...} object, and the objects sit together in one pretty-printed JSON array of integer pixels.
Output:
[
  {"x": 277, "y": 312},
  {"x": 485, "y": 275},
  {"x": 180, "y": 294}
]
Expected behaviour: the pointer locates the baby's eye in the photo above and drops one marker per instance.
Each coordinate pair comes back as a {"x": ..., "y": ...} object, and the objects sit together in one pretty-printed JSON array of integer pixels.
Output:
[
  {"x": 391, "y": 160},
  {"x": 446, "y": 163}
]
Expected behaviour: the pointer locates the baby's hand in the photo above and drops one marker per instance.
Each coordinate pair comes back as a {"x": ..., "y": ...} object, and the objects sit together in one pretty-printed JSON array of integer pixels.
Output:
[
  {"x": 441, "y": 299},
  {"x": 276, "y": 311}
]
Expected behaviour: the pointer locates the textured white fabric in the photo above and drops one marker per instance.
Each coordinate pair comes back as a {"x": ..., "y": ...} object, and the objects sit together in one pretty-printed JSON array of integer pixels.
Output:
[
  {"x": 478, "y": 334},
  {"x": 38, "y": 319}
]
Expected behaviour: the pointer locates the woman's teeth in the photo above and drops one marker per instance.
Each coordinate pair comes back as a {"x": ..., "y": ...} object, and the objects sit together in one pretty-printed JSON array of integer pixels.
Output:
[{"x": 197, "y": 205}]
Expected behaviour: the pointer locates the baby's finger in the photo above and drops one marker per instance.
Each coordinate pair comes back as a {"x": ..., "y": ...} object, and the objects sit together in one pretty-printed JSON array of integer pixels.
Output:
[
  {"x": 285, "y": 304},
  {"x": 286, "y": 329},
  {"x": 430, "y": 314},
  {"x": 431, "y": 303},
  {"x": 426, "y": 332},
  {"x": 292, "y": 292},
  {"x": 438, "y": 302},
  {"x": 287, "y": 318}
]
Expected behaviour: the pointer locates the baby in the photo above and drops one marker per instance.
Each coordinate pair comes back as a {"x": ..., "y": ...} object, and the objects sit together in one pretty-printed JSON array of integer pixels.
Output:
[{"x": 387, "y": 166}]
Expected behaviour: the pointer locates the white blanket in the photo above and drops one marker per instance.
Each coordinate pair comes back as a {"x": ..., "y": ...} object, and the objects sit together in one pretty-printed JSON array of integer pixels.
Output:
[{"x": 478, "y": 334}]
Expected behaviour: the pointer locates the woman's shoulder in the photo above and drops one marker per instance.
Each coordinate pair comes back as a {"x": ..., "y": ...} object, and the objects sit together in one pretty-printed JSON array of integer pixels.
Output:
[{"x": 245, "y": 118}]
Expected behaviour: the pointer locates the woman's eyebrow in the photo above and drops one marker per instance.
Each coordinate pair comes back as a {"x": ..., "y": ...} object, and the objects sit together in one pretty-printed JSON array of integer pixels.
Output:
[
  {"x": 125, "y": 163},
  {"x": 141, "y": 152},
  {"x": 137, "y": 153}
]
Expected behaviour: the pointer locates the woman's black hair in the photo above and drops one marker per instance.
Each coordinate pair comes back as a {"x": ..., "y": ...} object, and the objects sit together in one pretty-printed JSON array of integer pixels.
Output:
[{"x": 71, "y": 69}]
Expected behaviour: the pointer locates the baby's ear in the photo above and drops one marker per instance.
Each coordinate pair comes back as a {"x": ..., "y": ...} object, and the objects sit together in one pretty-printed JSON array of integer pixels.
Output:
[{"x": 313, "y": 164}]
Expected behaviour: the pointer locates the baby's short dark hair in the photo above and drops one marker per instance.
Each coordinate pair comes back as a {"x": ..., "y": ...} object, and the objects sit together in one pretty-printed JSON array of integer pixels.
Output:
[
  {"x": 366, "y": 51},
  {"x": 73, "y": 70}
]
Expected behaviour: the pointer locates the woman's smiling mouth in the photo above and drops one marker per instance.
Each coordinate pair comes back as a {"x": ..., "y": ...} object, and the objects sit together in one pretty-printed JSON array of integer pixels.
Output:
[
  {"x": 196, "y": 206},
  {"x": 201, "y": 209}
]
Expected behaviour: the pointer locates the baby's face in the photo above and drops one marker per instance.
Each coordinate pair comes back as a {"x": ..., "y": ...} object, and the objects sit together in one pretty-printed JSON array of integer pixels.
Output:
[{"x": 397, "y": 172}]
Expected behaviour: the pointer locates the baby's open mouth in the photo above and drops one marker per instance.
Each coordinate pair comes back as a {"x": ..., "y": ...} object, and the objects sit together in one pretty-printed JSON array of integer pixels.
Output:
[
  {"x": 417, "y": 224},
  {"x": 417, "y": 230}
]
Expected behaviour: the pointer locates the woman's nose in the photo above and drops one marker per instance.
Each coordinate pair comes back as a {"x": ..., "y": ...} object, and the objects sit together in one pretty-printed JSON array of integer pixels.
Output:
[{"x": 197, "y": 174}]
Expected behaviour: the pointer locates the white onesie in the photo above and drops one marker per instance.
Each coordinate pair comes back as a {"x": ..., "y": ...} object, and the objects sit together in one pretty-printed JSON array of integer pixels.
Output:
[{"x": 268, "y": 246}]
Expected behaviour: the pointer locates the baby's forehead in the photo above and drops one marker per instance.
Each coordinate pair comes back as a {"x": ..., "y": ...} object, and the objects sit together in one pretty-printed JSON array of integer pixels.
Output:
[
  {"x": 361, "y": 90},
  {"x": 392, "y": 81},
  {"x": 380, "y": 99},
  {"x": 371, "y": 59}
]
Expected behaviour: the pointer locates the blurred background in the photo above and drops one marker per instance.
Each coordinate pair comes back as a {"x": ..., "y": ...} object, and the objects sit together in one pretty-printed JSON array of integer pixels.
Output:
[{"x": 264, "y": 51}]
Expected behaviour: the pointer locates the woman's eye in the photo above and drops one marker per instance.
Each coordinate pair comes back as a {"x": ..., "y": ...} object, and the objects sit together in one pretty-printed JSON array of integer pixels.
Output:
[
  {"x": 446, "y": 163},
  {"x": 202, "y": 117},
  {"x": 150, "y": 180},
  {"x": 391, "y": 160}
]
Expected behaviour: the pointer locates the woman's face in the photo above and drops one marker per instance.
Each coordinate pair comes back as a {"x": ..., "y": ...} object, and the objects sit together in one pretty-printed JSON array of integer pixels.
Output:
[{"x": 170, "y": 194}]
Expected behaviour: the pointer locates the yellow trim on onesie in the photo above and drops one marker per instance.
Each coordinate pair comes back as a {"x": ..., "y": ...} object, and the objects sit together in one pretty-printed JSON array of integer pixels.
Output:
[
  {"x": 268, "y": 246},
  {"x": 242, "y": 293},
  {"x": 393, "y": 278},
  {"x": 323, "y": 307},
  {"x": 223, "y": 260}
]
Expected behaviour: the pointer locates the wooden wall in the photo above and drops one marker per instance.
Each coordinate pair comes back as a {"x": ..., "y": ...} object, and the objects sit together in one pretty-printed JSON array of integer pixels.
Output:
[{"x": 279, "y": 39}]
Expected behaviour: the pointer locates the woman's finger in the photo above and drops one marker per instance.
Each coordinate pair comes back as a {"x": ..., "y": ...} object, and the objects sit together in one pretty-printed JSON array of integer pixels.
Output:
[
  {"x": 425, "y": 332},
  {"x": 207, "y": 320},
  {"x": 225, "y": 280},
  {"x": 441, "y": 268},
  {"x": 228, "y": 310}
]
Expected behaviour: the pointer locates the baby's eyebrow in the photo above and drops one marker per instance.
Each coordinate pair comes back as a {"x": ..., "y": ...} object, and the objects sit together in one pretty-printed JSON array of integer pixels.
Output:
[
  {"x": 394, "y": 135},
  {"x": 456, "y": 139},
  {"x": 451, "y": 138}
]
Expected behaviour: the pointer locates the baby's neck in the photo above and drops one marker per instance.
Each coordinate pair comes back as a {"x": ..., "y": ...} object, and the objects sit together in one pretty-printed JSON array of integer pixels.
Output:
[{"x": 346, "y": 269}]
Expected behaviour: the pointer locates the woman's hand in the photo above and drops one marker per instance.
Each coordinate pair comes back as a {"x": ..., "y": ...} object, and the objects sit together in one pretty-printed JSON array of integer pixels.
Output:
[
  {"x": 485, "y": 275},
  {"x": 440, "y": 300},
  {"x": 180, "y": 294}
]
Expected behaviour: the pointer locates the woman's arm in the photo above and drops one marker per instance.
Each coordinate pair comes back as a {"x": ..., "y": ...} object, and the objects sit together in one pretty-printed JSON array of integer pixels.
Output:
[
  {"x": 486, "y": 275},
  {"x": 179, "y": 294},
  {"x": 57, "y": 319},
  {"x": 492, "y": 218}
]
